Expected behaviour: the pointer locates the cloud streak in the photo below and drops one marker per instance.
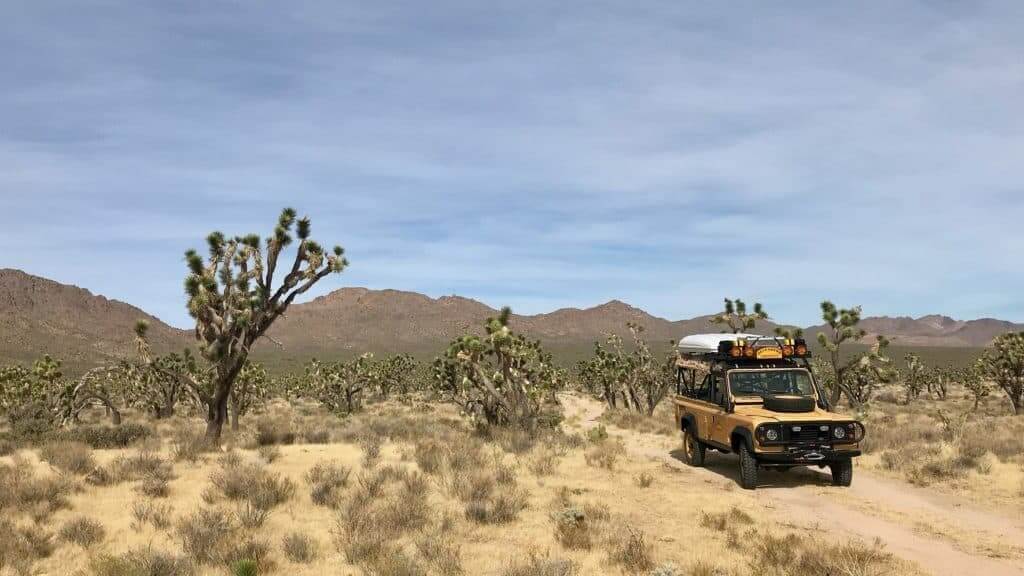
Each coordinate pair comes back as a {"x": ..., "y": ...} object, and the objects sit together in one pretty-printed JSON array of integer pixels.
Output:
[{"x": 532, "y": 155}]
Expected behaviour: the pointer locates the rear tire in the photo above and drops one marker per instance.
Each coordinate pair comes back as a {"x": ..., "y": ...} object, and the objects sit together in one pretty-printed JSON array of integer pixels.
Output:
[
  {"x": 842, "y": 472},
  {"x": 694, "y": 450},
  {"x": 748, "y": 468}
]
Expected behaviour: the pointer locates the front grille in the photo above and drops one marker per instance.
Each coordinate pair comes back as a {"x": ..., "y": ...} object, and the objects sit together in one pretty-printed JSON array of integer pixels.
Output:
[{"x": 810, "y": 433}]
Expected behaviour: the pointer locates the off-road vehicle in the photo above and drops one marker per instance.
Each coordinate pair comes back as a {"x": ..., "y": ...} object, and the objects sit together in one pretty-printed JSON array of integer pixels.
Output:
[{"x": 759, "y": 399}]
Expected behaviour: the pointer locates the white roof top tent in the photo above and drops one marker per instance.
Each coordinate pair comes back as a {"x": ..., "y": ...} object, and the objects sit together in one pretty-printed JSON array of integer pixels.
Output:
[{"x": 708, "y": 343}]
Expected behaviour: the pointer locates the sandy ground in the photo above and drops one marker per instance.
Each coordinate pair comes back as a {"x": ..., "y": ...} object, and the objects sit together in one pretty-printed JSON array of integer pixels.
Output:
[{"x": 943, "y": 534}]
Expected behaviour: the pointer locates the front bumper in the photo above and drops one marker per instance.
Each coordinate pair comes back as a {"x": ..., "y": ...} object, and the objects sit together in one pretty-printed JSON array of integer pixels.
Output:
[{"x": 799, "y": 455}]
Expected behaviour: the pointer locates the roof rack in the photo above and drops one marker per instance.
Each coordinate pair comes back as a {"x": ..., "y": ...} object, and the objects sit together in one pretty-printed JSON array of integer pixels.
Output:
[{"x": 742, "y": 347}]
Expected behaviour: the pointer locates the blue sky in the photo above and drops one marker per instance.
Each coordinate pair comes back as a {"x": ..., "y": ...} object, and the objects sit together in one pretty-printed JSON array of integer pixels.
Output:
[{"x": 662, "y": 153}]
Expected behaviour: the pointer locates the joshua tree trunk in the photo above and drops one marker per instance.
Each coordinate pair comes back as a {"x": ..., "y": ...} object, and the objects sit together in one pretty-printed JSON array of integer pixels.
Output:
[{"x": 234, "y": 417}]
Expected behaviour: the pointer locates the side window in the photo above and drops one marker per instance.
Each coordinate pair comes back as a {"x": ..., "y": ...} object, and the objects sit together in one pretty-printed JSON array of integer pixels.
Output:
[
  {"x": 718, "y": 396},
  {"x": 703, "y": 392}
]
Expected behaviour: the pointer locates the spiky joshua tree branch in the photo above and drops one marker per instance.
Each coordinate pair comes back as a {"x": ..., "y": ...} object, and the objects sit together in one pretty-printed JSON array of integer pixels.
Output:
[{"x": 234, "y": 300}]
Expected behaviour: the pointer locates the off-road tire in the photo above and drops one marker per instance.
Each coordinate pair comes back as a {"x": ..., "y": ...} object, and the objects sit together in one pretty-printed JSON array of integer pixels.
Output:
[
  {"x": 748, "y": 468},
  {"x": 842, "y": 472},
  {"x": 694, "y": 450}
]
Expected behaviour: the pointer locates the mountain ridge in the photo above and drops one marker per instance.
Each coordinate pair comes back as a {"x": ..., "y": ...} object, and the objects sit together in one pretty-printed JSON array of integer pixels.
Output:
[{"x": 38, "y": 315}]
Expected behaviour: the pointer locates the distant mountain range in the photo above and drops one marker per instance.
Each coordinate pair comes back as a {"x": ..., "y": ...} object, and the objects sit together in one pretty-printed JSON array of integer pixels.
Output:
[{"x": 38, "y": 315}]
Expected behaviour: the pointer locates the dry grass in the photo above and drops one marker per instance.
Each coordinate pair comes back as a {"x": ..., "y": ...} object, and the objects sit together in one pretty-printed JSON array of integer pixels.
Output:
[
  {"x": 82, "y": 531},
  {"x": 70, "y": 457},
  {"x": 22, "y": 490},
  {"x": 141, "y": 562},
  {"x": 300, "y": 548},
  {"x": 146, "y": 512},
  {"x": 605, "y": 454},
  {"x": 662, "y": 422},
  {"x": 629, "y": 549},
  {"x": 536, "y": 565},
  {"x": 326, "y": 480}
]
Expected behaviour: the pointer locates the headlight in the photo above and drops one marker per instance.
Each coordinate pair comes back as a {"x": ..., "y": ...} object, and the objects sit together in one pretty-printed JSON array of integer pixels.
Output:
[
  {"x": 848, "y": 432},
  {"x": 771, "y": 434}
]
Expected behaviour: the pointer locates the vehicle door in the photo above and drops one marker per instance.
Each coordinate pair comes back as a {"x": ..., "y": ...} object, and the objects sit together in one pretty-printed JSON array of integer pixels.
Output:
[{"x": 717, "y": 426}]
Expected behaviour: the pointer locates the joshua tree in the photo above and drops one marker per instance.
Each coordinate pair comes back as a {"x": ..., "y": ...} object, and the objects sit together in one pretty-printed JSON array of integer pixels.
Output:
[
  {"x": 94, "y": 387},
  {"x": 633, "y": 380},
  {"x": 1003, "y": 363},
  {"x": 736, "y": 318},
  {"x": 395, "y": 372},
  {"x": 842, "y": 325},
  {"x": 157, "y": 386},
  {"x": 233, "y": 297},
  {"x": 978, "y": 387},
  {"x": 864, "y": 374},
  {"x": 250, "y": 389},
  {"x": 914, "y": 377},
  {"x": 340, "y": 386},
  {"x": 500, "y": 378}
]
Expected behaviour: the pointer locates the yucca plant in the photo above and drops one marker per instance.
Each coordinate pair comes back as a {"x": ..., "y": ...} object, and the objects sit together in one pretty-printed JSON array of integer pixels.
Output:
[
  {"x": 736, "y": 318},
  {"x": 234, "y": 296},
  {"x": 1003, "y": 364}
]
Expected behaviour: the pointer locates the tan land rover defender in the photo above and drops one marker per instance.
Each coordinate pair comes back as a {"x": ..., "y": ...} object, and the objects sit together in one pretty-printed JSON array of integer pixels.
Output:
[{"x": 758, "y": 399}]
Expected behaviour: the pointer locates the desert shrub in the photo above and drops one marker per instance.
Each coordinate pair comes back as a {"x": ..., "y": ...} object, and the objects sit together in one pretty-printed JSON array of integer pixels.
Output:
[
  {"x": 316, "y": 435},
  {"x": 141, "y": 562},
  {"x": 325, "y": 481},
  {"x": 597, "y": 434},
  {"x": 72, "y": 457},
  {"x": 394, "y": 563},
  {"x": 82, "y": 531},
  {"x": 189, "y": 445},
  {"x": 104, "y": 437},
  {"x": 21, "y": 546},
  {"x": 269, "y": 453},
  {"x": 604, "y": 454},
  {"x": 31, "y": 421},
  {"x": 7, "y": 446},
  {"x": 251, "y": 516},
  {"x": 662, "y": 422},
  {"x": 148, "y": 512},
  {"x": 629, "y": 549},
  {"x": 666, "y": 569},
  {"x": 247, "y": 556},
  {"x": 644, "y": 480},
  {"x": 543, "y": 462},
  {"x": 142, "y": 464},
  {"x": 802, "y": 556},
  {"x": 541, "y": 566},
  {"x": 154, "y": 486},
  {"x": 271, "y": 431},
  {"x": 442, "y": 553},
  {"x": 430, "y": 456},
  {"x": 203, "y": 534},
  {"x": 571, "y": 528},
  {"x": 371, "y": 445},
  {"x": 250, "y": 482},
  {"x": 245, "y": 568},
  {"x": 299, "y": 548},
  {"x": 722, "y": 521},
  {"x": 499, "y": 508},
  {"x": 21, "y": 489}
]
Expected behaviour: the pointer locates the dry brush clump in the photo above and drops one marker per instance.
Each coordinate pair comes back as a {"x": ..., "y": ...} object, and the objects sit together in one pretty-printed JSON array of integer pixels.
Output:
[
  {"x": 387, "y": 504},
  {"x": 538, "y": 565},
  {"x": 139, "y": 562},
  {"x": 85, "y": 532},
  {"x": 254, "y": 490},
  {"x": 70, "y": 457},
  {"x": 300, "y": 548},
  {"x": 22, "y": 490},
  {"x": 326, "y": 481},
  {"x": 22, "y": 545}
]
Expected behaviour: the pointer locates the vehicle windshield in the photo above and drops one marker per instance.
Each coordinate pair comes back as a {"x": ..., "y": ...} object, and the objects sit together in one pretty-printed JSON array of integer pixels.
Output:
[{"x": 771, "y": 382}]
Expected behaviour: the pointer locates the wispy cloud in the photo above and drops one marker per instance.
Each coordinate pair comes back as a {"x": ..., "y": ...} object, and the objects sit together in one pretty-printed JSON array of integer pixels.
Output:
[{"x": 530, "y": 154}]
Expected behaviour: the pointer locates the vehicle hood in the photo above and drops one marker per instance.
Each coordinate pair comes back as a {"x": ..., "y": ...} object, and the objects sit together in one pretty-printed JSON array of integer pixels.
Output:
[{"x": 818, "y": 415}]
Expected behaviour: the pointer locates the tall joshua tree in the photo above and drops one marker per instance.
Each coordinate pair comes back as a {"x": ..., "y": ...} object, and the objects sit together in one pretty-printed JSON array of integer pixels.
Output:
[
  {"x": 234, "y": 300},
  {"x": 736, "y": 318}
]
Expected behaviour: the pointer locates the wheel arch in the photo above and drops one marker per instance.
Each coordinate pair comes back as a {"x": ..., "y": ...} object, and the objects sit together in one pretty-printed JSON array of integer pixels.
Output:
[{"x": 740, "y": 436}]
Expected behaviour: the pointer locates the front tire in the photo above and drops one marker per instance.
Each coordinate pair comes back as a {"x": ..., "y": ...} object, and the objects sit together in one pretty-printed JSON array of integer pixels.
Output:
[
  {"x": 748, "y": 468},
  {"x": 842, "y": 472},
  {"x": 694, "y": 450}
]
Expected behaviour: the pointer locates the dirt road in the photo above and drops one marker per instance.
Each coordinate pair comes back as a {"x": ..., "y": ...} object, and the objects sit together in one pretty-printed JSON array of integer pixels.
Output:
[{"x": 942, "y": 534}]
